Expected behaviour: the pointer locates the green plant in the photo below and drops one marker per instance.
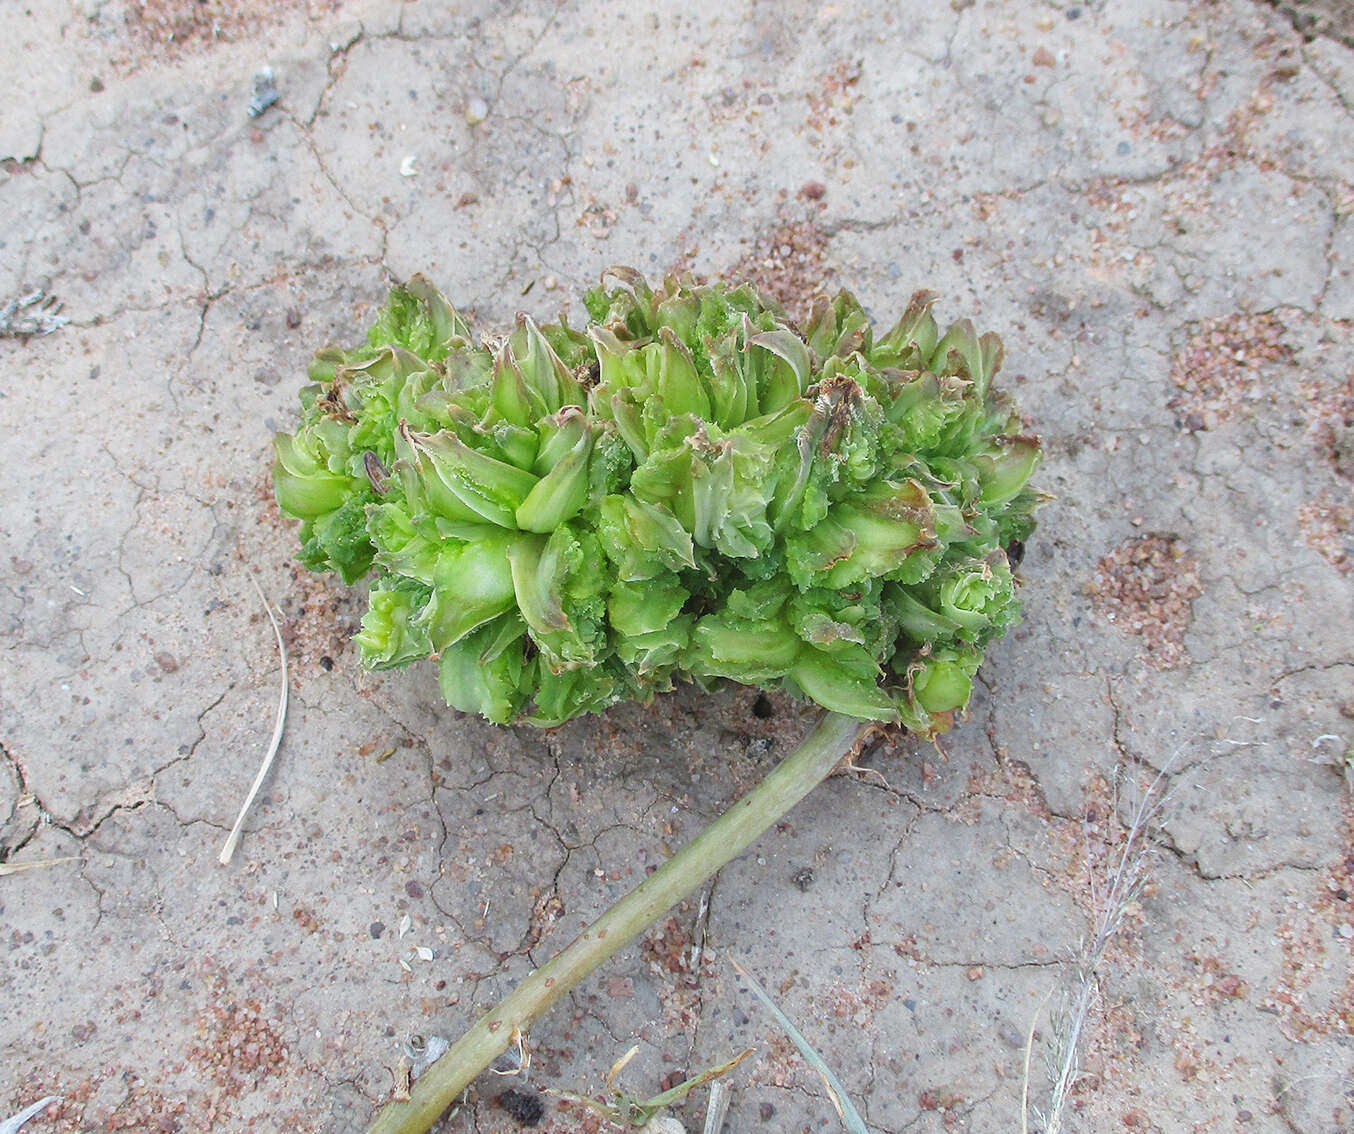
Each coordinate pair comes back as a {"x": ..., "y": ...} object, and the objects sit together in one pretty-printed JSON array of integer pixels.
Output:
[{"x": 687, "y": 489}]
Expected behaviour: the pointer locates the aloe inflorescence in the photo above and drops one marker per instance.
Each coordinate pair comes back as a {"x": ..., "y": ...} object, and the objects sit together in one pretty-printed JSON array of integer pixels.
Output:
[{"x": 687, "y": 488}]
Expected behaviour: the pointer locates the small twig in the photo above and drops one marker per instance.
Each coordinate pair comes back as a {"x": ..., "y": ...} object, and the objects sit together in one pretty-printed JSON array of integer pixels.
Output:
[{"x": 233, "y": 839}]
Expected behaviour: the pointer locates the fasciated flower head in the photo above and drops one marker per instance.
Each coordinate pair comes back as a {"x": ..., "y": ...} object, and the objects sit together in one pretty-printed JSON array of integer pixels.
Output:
[{"x": 688, "y": 488}]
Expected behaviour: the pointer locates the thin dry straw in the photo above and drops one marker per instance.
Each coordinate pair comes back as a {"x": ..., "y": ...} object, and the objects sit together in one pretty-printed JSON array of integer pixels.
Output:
[
  {"x": 233, "y": 839},
  {"x": 17, "y": 867},
  {"x": 835, "y": 1091},
  {"x": 717, "y": 1109},
  {"x": 11, "y": 1125}
]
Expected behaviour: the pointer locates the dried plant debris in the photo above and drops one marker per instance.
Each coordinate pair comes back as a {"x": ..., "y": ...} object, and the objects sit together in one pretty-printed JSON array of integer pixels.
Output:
[
  {"x": 12, "y": 1125},
  {"x": 28, "y": 316},
  {"x": 265, "y": 92},
  {"x": 279, "y": 723},
  {"x": 1145, "y": 586},
  {"x": 836, "y": 1093},
  {"x": 1222, "y": 366},
  {"x": 19, "y": 867}
]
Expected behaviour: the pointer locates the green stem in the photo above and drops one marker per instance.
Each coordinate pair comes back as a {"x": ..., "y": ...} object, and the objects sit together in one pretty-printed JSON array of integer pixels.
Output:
[{"x": 728, "y": 836}]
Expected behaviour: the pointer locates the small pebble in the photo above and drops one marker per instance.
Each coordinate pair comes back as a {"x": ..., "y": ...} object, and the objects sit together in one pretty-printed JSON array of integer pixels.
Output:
[
  {"x": 476, "y": 111},
  {"x": 376, "y": 929},
  {"x": 766, "y": 1112},
  {"x": 166, "y": 661},
  {"x": 1347, "y": 931}
]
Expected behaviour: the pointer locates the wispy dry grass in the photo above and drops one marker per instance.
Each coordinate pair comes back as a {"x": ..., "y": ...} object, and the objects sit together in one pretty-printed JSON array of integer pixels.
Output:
[{"x": 1116, "y": 881}]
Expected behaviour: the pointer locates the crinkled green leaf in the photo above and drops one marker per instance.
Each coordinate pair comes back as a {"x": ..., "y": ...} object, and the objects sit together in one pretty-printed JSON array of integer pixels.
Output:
[
  {"x": 390, "y": 634},
  {"x": 339, "y": 541},
  {"x": 486, "y": 672}
]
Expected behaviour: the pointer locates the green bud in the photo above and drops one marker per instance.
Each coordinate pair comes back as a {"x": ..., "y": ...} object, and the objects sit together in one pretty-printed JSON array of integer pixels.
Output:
[
  {"x": 305, "y": 484},
  {"x": 962, "y": 352},
  {"x": 472, "y": 585},
  {"x": 618, "y": 362},
  {"x": 672, "y": 372},
  {"x": 560, "y": 434},
  {"x": 418, "y": 318},
  {"x": 785, "y": 368},
  {"x": 750, "y": 652},
  {"x": 653, "y": 655},
  {"x": 641, "y": 607},
  {"x": 943, "y": 681},
  {"x": 1005, "y": 468},
  {"x": 838, "y": 327},
  {"x": 642, "y": 539},
  {"x": 462, "y": 483},
  {"x": 911, "y": 342},
  {"x": 845, "y": 682},
  {"x": 516, "y": 402},
  {"x": 871, "y": 537},
  {"x": 402, "y": 547},
  {"x": 543, "y": 369},
  {"x": 563, "y": 490}
]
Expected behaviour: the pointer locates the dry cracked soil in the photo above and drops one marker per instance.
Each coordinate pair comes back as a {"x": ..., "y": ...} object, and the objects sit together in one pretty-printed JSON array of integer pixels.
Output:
[{"x": 1151, "y": 200}]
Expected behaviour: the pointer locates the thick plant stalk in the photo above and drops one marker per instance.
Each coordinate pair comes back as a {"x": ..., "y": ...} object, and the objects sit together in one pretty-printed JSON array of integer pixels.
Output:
[{"x": 728, "y": 836}]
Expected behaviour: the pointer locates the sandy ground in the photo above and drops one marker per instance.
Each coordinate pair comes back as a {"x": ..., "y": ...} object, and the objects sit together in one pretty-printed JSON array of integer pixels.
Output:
[{"x": 1151, "y": 200}]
